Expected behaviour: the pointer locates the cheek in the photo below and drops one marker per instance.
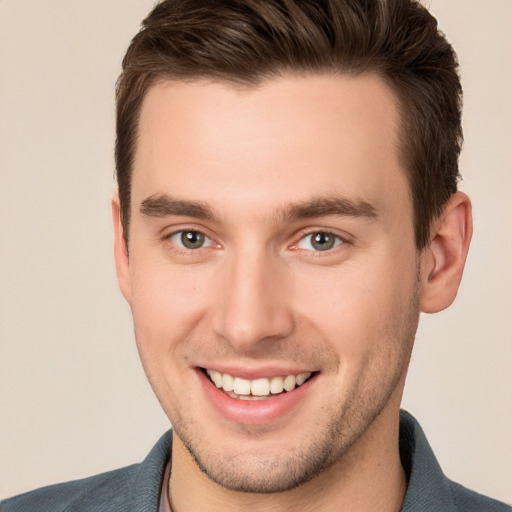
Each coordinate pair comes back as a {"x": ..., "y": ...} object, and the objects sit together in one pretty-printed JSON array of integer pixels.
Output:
[
  {"x": 357, "y": 304},
  {"x": 166, "y": 303},
  {"x": 166, "y": 307}
]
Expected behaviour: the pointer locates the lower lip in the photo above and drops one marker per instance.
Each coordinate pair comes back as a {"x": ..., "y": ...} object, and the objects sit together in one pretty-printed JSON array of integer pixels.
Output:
[{"x": 253, "y": 412}]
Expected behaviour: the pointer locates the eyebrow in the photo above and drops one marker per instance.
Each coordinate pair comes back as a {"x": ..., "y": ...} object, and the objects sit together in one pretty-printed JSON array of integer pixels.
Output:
[
  {"x": 166, "y": 206},
  {"x": 323, "y": 207}
]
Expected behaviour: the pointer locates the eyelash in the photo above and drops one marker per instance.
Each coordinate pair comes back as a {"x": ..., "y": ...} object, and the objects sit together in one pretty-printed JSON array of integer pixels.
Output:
[
  {"x": 337, "y": 241},
  {"x": 186, "y": 250},
  {"x": 182, "y": 250}
]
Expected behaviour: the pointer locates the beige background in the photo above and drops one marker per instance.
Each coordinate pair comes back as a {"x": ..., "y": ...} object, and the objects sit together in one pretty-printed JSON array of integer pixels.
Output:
[{"x": 73, "y": 398}]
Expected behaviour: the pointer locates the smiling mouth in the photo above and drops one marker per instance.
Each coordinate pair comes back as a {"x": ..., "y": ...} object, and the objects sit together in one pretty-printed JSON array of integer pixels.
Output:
[{"x": 256, "y": 389}]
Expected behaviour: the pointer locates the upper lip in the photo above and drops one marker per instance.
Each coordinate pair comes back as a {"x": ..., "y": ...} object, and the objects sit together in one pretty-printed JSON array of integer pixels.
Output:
[{"x": 260, "y": 372}]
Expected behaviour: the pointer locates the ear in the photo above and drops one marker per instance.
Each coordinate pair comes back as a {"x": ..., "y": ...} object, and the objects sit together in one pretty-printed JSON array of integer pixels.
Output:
[
  {"x": 121, "y": 251},
  {"x": 444, "y": 259}
]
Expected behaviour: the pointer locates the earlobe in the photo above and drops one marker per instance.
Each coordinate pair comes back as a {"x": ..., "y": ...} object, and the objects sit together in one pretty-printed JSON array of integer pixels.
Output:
[
  {"x": 120, "y": 250},
  {"x": 444, "y": 259}
]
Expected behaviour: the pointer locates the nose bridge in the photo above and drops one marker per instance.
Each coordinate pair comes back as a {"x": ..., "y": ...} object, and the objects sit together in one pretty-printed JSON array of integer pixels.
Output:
[{"x": 252, "y": 306}]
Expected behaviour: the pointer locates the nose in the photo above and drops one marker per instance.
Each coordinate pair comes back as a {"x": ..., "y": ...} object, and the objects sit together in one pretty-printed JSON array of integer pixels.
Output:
[{"x": 252, "y": 305}]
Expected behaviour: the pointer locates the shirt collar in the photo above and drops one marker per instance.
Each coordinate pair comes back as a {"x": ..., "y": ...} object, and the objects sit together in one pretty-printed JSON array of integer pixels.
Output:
[{"x": 428, "y": 488}]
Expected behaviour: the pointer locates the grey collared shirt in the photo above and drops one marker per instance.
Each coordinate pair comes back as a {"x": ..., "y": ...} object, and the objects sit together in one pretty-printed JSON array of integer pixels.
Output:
[{"x": 138, "y": 488}]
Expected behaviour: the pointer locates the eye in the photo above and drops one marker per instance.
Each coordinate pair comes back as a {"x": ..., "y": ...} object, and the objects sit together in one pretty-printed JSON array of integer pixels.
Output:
[
  {"x": 190, "y": 239},
  {"x": 319, "y": 241}
]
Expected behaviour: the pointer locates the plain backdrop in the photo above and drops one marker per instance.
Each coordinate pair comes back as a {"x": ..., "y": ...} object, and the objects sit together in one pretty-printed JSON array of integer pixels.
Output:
[{"x": 73, "y": 398}]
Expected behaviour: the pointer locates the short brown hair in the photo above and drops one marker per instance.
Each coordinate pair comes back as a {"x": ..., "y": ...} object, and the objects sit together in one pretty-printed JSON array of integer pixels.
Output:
[{"x": 249, "y": 41}]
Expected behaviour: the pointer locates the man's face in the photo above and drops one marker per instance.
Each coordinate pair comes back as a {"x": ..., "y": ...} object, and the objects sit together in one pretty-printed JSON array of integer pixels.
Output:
[{"x": 271, "y": 242}]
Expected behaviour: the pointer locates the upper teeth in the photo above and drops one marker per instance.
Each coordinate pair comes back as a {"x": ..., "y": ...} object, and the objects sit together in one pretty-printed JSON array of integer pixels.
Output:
[{"x": 257, "y": 387}]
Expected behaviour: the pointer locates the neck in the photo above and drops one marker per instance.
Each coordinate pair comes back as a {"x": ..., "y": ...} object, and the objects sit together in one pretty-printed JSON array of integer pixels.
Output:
[{"x": 368, "y": 477}]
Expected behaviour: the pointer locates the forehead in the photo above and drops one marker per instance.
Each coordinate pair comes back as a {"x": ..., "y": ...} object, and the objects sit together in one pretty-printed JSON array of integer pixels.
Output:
[{"x": 284, "y": 139}]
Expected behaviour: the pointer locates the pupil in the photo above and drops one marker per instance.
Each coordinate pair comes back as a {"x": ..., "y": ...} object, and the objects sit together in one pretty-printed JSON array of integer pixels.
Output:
[
  {"x": 192, "y": 239},
  {"x": 322, "y": 241}
]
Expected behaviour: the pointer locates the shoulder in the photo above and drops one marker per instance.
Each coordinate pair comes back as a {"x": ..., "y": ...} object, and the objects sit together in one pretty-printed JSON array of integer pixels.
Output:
[
  {"x": 91, "y": 491},
  {"x": 467, "y": 500},
  {"x": 136, "y": 487},
  {"x": 429, "y": 489}
]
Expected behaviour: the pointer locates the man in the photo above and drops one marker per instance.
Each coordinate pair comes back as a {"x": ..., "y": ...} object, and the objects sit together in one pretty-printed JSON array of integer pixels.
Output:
[{"x": 287, "y": 206}]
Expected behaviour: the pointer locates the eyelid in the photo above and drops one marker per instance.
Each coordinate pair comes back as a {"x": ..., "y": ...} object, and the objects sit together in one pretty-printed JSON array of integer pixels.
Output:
[
  {"x": 342, "y": 240},
  {"x": 176, "y": 239},
  {"x": 209, "y": 240}
]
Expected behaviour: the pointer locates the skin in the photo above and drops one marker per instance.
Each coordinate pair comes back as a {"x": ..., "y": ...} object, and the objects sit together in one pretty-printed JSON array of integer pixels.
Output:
[{"x": 258, "y": 296}]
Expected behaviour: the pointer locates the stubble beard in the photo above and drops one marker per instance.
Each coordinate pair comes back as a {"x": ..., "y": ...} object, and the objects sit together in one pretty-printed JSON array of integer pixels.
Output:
[
  {"x": 331, "y": 443},
  {"x": 257, "y": 473}
]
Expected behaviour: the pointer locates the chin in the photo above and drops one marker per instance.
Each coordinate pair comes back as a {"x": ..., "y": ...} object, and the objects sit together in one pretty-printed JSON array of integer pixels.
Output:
[{"x": 266, "y": 465}]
